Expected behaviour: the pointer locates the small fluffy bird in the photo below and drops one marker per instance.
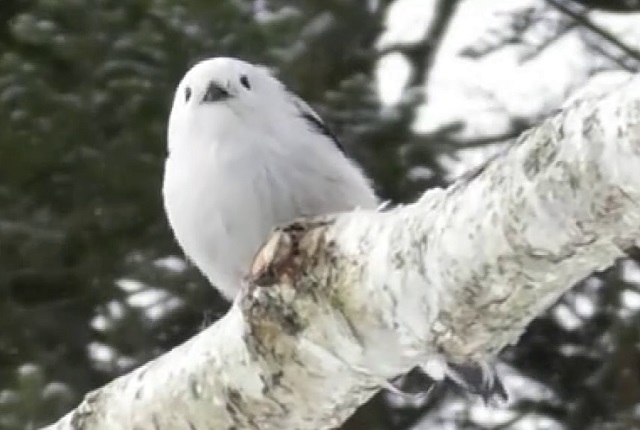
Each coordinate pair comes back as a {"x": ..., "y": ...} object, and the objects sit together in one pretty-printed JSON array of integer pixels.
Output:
[{"x": 247, "y": 155}]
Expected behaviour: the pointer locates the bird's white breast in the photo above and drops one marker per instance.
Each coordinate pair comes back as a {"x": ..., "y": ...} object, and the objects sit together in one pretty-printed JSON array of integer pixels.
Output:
[
  {"x": 215, "y": 205},
  {"x": 223, "y": 196}
]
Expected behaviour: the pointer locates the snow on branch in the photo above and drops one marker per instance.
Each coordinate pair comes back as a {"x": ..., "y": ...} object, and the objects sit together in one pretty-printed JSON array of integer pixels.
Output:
[{"x": 333, "y": 306}]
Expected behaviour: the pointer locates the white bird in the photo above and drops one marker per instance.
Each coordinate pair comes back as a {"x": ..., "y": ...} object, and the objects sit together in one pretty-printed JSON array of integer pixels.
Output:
[{"x": 247, "y": 155}]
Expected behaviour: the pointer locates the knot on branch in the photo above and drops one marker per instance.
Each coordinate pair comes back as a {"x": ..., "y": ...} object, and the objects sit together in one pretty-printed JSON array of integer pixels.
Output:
[
  {"x": 286, "y": 252},
  {"x": 282, "y": 292}
]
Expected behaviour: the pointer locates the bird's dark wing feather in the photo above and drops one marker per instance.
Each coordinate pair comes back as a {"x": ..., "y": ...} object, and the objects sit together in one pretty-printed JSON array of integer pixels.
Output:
[{"x": 314, "y": 121}]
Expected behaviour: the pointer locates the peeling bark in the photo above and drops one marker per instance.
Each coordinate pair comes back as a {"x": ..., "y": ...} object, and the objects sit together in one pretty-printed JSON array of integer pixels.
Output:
[{"x": 335, "y": 305}]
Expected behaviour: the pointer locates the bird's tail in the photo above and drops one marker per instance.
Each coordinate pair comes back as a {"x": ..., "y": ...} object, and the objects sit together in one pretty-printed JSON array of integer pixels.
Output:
[{"x": 478, "y": 379}]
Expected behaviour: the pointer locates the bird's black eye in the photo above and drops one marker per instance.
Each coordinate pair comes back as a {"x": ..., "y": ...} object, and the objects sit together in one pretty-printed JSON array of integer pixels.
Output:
[
  {"x": 245, "y": 82},
  {"x": 214, "y": 93},
  {"x": 187, "y": 94}
]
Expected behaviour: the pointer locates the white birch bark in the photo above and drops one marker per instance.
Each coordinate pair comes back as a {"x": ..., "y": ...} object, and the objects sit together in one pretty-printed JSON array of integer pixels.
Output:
[{"x": 345, "y": 302}]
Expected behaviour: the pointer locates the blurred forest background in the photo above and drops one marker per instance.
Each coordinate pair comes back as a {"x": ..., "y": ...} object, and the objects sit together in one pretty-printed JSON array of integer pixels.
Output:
[{"x": 92, "y": 283}]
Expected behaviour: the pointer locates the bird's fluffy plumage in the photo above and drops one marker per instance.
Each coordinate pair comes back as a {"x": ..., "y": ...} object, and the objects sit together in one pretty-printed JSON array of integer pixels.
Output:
[
  {"x": 242, "y": 165},
  {"x": 246, "y": 155}
]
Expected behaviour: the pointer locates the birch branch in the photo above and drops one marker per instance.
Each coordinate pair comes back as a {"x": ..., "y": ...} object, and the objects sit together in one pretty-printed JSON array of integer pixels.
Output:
[{"x": 333, "y": 306}]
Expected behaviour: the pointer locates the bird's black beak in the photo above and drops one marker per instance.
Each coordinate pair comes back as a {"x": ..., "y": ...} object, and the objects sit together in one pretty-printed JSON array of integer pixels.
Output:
[{"x": 215, "y": 93}]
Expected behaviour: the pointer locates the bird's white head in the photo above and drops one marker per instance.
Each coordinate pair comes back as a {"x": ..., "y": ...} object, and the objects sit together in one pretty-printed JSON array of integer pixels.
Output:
[{"x": 217, "y": 93}]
